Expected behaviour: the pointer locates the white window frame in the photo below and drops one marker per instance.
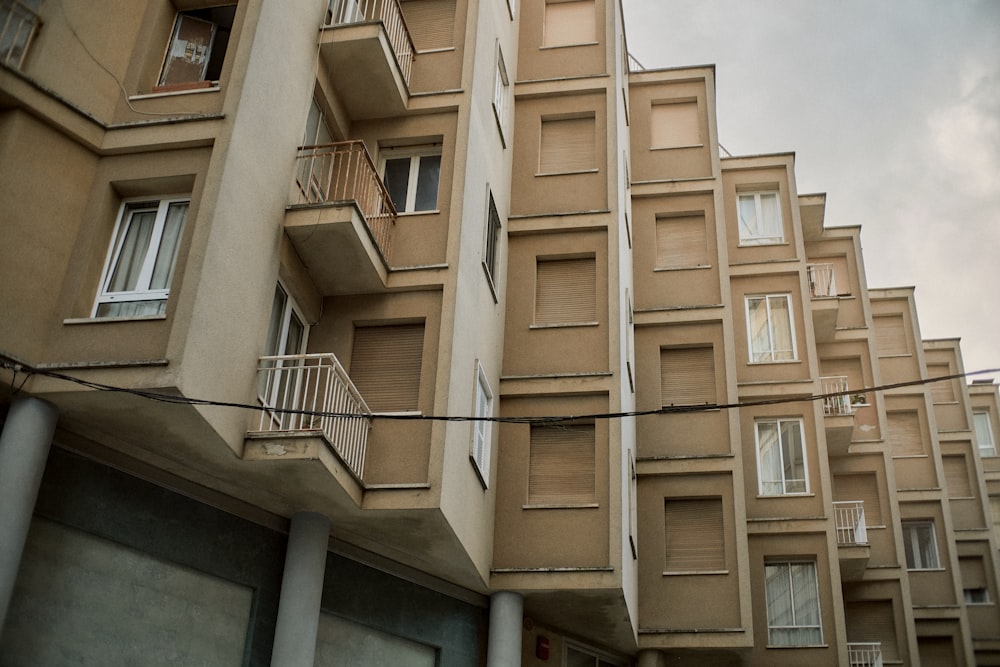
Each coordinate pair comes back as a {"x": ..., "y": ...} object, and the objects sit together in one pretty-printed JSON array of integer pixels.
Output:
[
  {"x": 911, "y": 538},
  {"x": 415, "y": 155},
  {"x": 143, "y": 292},
  {"x": 794, "y": 608},
  {"x": 501, "y": 89},
  {"x": 491, "y": 243},
  {"x": 784, "y": 482},
  {"x": 768, "y": 232},
  {"x": 275, "y": 394},
  {"x": 983, "y": 424},
  {"x": 482, "y": 430},
  {"x": 768, "y": 357}
]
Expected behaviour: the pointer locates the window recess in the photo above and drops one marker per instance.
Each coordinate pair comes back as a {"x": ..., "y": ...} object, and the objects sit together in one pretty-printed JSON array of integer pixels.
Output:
[
  {"x": 140, "y": 264},
  {"x": 197, "y": 47}
]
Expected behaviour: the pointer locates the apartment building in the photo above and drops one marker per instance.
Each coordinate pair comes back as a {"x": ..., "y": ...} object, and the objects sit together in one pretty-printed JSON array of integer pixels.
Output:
[{"x": 434, "y": 332}]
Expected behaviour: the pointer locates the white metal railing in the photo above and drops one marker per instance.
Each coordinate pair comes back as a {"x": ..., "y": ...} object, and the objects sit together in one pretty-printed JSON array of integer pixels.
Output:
[
  {"x": 849, "y": 516},
  {"x": 836, "y": 405},
  {"x": 342, "y": 172},
  {"x": 821, "y": 280},
  {"x": 18, "y": 26},
  {"x": 634, "y": 65},
  {"x": 294, "y": 388},
  {"x": 868, "y": 654},
  {"x": 341, "y": 12}
]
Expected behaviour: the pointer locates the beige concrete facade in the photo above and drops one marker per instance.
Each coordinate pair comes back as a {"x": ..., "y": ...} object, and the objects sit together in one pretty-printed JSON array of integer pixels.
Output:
[{"x": 477, "y": 209}]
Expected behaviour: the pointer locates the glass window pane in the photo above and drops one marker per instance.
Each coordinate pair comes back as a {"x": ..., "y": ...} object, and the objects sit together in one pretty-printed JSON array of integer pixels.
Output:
[
  {"x": 397, "y": 180},
  {"x": 427, "y": 183},
  {"x": 781, "y": 327},
  {"x": 770, "y": 215},
  {"x": 748, "y": 217},
  {"x": 770, "y": 459},
  {"x": 132, "y": 254},
  {"x": 794, "y": 466},
  {"x": 163, "y": 270},
  {"x": 760, "y": 341}
]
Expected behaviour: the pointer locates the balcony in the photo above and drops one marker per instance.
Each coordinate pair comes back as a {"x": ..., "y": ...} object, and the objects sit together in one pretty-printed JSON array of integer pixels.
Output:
[
  {"x": 868, "y": 654},
  {"x": 367, "y": 44},
  {"x": 341, "y": 219},
  {"x": 18, "y": 27},
  {"x": 838, "y": 414},
  {"x": 825, "y": 305},
  {"x": 852, "y": 539},
  {"x": 301, "y": 396}
]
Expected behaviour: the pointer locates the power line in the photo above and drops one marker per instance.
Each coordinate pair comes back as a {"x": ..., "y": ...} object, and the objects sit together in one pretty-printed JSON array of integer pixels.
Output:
[{"x": 551, "y": 419}]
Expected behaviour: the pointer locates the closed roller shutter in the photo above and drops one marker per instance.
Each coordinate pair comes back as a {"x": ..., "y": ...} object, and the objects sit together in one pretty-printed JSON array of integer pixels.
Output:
[
  {"x": 687, "y": 376},
  {"x": 681, "y": 242},
  {"x": 431, "y": 23},
  {"x": 561, "y": 466},
  {"x": 385, "y": 366},
  {"x": 568, "y": 145},
  {"x": 566, "y": 291},
  {"x": 694, "y": 535}
]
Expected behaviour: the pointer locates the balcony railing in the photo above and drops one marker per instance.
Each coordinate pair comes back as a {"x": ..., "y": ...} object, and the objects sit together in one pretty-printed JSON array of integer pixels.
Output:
[
  {"x": 821, "y": 280},
  {"x": 344, "y": 172},
  {"x": 18, "y": 27},
  {"x": 294, "y": 388},
  {"x": 849, "y": 516},
  {"x": 388, "y": 12},
  {"x": 864, "y": 654},
  {"x": 836, "y": 405}
]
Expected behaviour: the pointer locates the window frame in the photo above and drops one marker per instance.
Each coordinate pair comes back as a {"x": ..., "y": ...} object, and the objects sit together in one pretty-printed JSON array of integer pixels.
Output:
[
  {"x": 910, "y": 529},
  {"x": 794, "y": 607},
  {"x": 416, "y": 156},
  {"x": 758, "y": 237},
  {"x": 143, "y": 292},
  {"x": 213, "y": 59},
  {"x": 566, "y": 500},
  {"x": 989, "y": 448},
  {"x": 481, "y": 450},
  {"x": 491, "y": 243},
  {"x": 278, "y": 390},
  {"x": 548, "y": 42},
  {"x": 769, "y": 356},
  {"x": 501, "y": 94},
  {"x": 778, "y": 422}
]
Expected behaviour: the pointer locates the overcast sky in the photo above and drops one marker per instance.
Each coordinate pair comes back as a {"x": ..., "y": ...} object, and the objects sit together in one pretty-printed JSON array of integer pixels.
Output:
[{"x": 892, "y": 109}]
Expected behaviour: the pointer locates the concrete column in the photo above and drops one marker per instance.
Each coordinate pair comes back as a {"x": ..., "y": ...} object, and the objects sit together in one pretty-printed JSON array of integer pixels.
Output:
[
  {"x": 506, "y": 616},
  {"x": 24, "y": 447},
  {"x": 301, "y": 591},
  {"x": 650, "y": 658}
]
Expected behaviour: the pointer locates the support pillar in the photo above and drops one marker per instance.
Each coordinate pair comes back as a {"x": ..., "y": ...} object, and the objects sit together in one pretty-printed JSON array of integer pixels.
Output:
[
  {"x": 506, "y": 614},
  {"x": 24, "y": 448},
  {"x": 301, "y": 591}
]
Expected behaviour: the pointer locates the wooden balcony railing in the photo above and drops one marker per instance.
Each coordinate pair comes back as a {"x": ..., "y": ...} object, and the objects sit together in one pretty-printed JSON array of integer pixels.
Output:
[
  {"x": 293, "y": 388},
  {"x": 849, "y": 516},
  {"x": 344, "y": 172},
  {"x": 18, "y": 26},
  {"x": 389, "y": 13},
  {"x": 867, "y": 654}
]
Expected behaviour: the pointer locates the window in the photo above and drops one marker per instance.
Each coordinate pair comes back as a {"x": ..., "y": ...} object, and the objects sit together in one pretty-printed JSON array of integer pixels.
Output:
[
  {"x": 492, "y": 240},
  {"x": 872, "y": 621},
  {"x": 760, "y": 218},
  {"x": 674, "y": 124},
  {"x": 385, "y": 365},
  {"x": 140, "y": 264},
  {"x": 905, "y": 434},
  {"x": 890, "y": 335},
  {"x": 687, "y": 376},
  {"x": 580, "y": 656},
  {"x": 412, "y": 179},
  {"x": 956, "y": 476},
  {"x": 197, "y": 46},
  {"x": 920, "y": 545},
  {"x": 566, "y": 291},
  {"x": 561, "y": 465},
  {"x": 793, "y": 617},
  {"x": 568, "y": 145},
  {"x": 942, "y": 391},
  {"x": 863, "y": 487},
  {"x": 769, "y": 325},
  {"x": 286, "y": 336},
  {"x": 974, "y": 585},
  {"x": 781, "y": 457},
  {"x": 694, "y": 535},
  {"x": 501, "y": 85},
  {"x": 681, "y": 242},
  {"x": 431, "y": 23},
  {"x": 482, "y": 430},
  {"x": 310, "y": 167},
  {"x": 569, "y": 23},
  {"x": 20, "y": 25},
  {"x": 984, "y": 433}
]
